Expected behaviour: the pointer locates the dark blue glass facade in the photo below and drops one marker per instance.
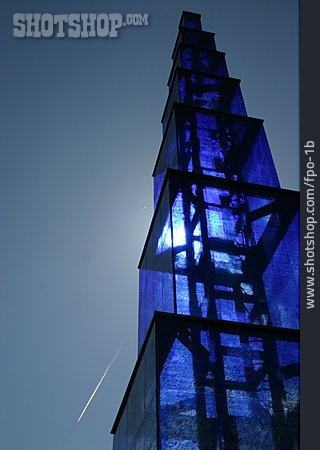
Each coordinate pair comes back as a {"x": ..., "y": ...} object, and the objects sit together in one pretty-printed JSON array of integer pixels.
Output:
[{"x": 218, "y": 364}]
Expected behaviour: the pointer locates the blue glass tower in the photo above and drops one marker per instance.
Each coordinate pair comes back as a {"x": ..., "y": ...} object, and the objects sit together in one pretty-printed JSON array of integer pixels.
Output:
[{"x": 218, "y": 363}]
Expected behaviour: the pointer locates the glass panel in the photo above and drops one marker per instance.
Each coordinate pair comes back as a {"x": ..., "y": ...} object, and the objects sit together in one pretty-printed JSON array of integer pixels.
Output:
[
  {"x": 168, "y": 157},
  {"x": 196, "y": 38},
  {"x": 137, "y": 429},
  {"x": 259, "y": 166},
  {"x": 201, "y": 60},
  {"x": 212, "y": 143},
  {"x": 220, "y": 94},
  {"x": 156, "y": 279},
  {"x": 226, "y": 390},
  {"x": 232, "y": 253}
]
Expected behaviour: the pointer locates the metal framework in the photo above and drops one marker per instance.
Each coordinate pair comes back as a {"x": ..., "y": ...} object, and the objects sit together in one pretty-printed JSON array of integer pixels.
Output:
[{"x": 218, "y": 364}]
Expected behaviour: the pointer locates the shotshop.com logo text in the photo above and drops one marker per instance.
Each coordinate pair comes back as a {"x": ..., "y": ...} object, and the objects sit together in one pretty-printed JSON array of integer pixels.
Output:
[{"x": 85, "y": 25}]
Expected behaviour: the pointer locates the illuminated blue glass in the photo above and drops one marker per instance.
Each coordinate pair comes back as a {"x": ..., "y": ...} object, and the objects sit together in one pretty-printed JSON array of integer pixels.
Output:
[
  {"x": 156, "y": 289},
  {"x": 229, "y": 245},
  {"x": 206, "y": 61},
  {"x": 230, "y": 253},
  {"x": 218, "y": 388},
  {"x": 210, "y": 92},
  {"x": 212, "y": 143},
  {"x": 195, "y": 38},
  {"x": 203, "y": 61},
  {"x": 219, "y": 270},
  {"x": 225, "y": 389}
]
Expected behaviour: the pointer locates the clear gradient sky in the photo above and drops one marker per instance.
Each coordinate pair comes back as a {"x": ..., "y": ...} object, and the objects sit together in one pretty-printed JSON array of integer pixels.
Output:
[{"x": 80, "y": 134}]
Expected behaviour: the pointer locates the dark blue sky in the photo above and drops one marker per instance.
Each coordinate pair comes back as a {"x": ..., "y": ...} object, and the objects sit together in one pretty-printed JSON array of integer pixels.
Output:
[{"x": 80, "y": 134}]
